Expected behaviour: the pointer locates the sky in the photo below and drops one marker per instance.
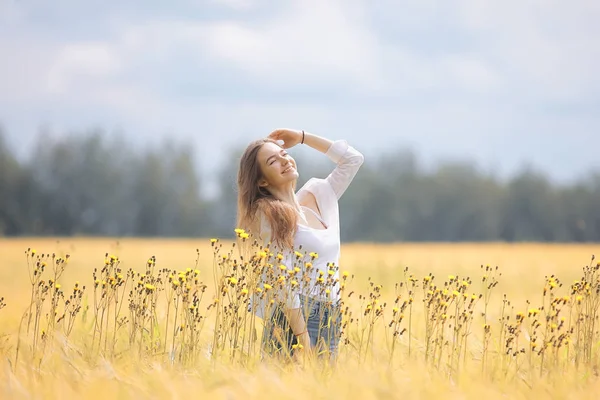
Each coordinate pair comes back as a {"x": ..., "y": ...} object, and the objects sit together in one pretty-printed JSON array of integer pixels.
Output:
[{"x": 502, "y": 83}]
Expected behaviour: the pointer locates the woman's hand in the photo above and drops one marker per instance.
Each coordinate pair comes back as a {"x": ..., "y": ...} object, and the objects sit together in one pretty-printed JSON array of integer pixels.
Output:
[
  {"x": 306, "y": 352},
  {"x": 290, "y": 137}
]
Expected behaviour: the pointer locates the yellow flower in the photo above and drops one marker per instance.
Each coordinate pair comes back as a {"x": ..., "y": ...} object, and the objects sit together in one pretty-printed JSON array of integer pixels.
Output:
[
  {"x": 533, "y": 312},
  {"x": 298, "y": 254},
  {"x": 213, "y": 240},
  {"x": 149, "y": 286},
  {"x": 314, "y": 255},
  {"x": 244, "y": 235},
  {"x": 239, "y": 231},
  {"x": 244, "y": 291},
  {"x": 345, "y": 274},
  {"x": 331, "y": 273},
  {"x": 267, "y": 286},
  {"x": 282, "y": 267},
  {"x": 233, "y": 281}
]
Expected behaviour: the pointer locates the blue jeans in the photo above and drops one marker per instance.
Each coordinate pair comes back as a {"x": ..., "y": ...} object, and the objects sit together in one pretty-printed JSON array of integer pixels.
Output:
[{"x": 323, "y": 321}]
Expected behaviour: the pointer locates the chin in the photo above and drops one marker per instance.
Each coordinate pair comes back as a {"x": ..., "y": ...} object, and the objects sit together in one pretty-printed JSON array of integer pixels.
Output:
[{"x": 292, "y": 179}]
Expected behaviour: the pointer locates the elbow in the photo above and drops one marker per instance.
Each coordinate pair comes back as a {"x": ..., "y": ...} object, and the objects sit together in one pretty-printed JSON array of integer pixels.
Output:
[{"x": 358, "y": 158}]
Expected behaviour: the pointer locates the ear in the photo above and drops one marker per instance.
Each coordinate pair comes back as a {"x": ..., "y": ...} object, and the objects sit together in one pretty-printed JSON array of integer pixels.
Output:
[{"x": 263, "y": 183}]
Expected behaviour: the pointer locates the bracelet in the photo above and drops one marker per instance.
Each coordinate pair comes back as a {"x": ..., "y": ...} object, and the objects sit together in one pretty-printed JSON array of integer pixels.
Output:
[
  {"x": 301, "y": 333},
  {"x": 302, "y": 142}
]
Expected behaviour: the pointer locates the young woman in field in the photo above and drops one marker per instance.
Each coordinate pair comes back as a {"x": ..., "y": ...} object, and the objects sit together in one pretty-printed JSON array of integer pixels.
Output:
[{"x": 271, "y": 210}]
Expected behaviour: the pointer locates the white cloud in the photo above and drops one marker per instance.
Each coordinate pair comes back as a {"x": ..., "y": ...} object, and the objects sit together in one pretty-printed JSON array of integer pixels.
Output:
[
  {"x": 89, "y": 62},
  {"x": 239, "y": 5},
  {"x": 23, "y": 69},
  {"x": 455, "y": 77},
  {"x": 10, "y": 12},
  {"x": 308, "y": 42},
  {"x": 471, "y": 73},
  {"x": 549, "y": 48}
]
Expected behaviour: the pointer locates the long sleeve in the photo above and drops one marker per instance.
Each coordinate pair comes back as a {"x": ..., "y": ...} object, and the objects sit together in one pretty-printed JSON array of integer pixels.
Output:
[{"x": 348, "y": 161}]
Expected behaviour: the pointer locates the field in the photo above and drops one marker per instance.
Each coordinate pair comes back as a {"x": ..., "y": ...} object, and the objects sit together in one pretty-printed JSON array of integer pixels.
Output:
[{"x": 423, "y": 321}]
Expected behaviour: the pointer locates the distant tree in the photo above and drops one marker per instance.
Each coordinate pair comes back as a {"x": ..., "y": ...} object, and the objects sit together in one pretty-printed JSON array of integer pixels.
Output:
[{"x": 88, "y": 184}]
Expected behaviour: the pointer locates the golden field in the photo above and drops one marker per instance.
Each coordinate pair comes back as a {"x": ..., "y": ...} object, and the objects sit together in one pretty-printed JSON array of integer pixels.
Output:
[{"x": 452, "y": 353}]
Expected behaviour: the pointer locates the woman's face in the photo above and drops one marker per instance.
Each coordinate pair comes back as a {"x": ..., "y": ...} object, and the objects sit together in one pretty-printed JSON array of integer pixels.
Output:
[{"x": 277, "y": 166}]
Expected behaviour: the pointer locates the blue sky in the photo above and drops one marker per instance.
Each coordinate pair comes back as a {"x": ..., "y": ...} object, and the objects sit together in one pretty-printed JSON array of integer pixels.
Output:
[{"x": 503, "y": 83}]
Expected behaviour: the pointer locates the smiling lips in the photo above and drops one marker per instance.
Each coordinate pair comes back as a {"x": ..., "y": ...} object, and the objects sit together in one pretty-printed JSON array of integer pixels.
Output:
[{"x": 288, "y": 169}]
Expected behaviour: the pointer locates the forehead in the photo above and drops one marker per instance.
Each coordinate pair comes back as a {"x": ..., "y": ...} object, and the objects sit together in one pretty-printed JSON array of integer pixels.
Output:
[{"x": 267, "y": 150}]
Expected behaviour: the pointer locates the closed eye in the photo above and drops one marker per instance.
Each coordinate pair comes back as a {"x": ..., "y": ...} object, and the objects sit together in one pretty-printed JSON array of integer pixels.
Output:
[{"x": 271, "y": 159}]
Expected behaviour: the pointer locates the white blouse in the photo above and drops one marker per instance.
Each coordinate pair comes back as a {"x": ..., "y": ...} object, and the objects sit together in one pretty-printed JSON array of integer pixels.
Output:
[{"x": 324, "y": 242}]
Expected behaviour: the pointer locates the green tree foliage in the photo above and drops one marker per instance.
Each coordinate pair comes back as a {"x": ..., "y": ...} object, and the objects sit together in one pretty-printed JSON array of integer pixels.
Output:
[{"x": 90, "y": 185}]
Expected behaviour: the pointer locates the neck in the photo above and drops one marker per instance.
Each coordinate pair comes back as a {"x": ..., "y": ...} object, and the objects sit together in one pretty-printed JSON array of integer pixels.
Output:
[{"x": 287, "y": 195}]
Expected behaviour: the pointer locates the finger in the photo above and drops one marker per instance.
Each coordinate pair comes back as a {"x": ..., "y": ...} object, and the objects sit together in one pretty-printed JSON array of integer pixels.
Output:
[{"x": 275, "y": 134}]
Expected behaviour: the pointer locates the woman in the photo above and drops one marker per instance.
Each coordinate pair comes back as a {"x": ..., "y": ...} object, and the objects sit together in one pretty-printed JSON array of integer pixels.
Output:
[{"x": 271, "y": 210}]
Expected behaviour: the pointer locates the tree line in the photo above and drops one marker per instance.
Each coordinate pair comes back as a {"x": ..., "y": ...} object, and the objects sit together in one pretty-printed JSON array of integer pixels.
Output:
[{"x": 90, "y": 185}]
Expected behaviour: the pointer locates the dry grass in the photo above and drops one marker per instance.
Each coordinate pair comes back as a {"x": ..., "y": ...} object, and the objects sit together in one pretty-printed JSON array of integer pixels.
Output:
[{"x": 436, "y": 345}]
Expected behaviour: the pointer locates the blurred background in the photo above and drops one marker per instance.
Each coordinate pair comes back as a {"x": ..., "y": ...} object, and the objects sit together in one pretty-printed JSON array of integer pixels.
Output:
[{"x": 479, "y": 121}]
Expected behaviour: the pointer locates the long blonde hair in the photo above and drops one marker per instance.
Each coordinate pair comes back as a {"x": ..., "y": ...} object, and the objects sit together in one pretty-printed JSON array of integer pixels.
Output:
[{"x": 254, "y": 200}]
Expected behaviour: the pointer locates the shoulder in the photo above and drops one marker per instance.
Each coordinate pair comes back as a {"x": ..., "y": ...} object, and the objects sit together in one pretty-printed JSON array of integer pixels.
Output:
[{"x": 318, "y": 187}]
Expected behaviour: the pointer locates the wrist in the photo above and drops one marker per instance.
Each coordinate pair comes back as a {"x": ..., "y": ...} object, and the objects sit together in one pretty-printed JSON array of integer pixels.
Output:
[{"x": 316, "y": 142}]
